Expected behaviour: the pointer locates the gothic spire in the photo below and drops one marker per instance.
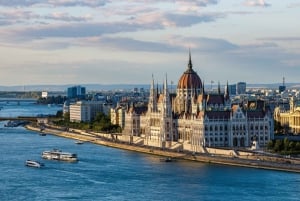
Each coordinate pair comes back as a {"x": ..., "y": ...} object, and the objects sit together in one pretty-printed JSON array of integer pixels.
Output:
[
  {"x": 227, "y": 91},
  {"x": 190, "y": 66}
]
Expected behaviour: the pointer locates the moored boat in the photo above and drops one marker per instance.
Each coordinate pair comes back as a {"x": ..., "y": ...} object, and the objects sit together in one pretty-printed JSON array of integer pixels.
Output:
[
  {"x": 57, "y": 154},
  {"x": 78, "y": 142},
  {"x": 32, "y": 163},
  {"x": 168, "y": 159}
]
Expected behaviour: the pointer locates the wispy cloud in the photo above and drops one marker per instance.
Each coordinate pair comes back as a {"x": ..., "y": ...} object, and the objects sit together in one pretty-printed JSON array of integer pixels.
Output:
[
  {"x": 63, "y": 3},
  {"x": 256, "y": 3},
  {"x": 144, "y": 22},
  {"x": 294, "y": 5},
  {"x": 291, "y": 38},
  {"x": 63, "y": 16}
]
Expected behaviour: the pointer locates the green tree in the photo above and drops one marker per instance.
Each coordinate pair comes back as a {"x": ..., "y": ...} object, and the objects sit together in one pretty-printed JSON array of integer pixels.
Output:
[
  {"x": 286, "y": 143},
  {"x": 297, "y": 147},
  {"x": 292, "y": 146},
  {"x": 278, "y": 146},
  {"x": 270, "y": 145}
]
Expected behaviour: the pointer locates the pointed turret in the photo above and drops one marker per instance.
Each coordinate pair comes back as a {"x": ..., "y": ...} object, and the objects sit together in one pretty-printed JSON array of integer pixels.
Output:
[
  {"x": 153, "y": 97},
  {"x": 167, "y": 103},
  {"x": 190, "y": 65},
  {"x": 226, "y": 95}
]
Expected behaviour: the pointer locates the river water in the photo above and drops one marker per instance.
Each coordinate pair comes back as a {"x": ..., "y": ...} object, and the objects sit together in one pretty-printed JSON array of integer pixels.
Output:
[{"x": 104, "y": 173}]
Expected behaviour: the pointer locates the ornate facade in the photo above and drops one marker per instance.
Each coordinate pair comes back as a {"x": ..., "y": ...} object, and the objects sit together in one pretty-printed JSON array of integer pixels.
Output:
[
  {"x": 193, "y": 119},
  {"x": 289, "y": 118}
]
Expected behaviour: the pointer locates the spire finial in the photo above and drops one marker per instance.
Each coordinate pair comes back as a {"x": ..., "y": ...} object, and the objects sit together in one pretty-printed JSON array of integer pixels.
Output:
[{"x": 190, "y": 66}]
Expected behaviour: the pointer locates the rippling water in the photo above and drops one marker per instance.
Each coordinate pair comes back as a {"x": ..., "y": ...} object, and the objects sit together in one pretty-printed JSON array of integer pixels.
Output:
[{"x": 104, "y": 173}]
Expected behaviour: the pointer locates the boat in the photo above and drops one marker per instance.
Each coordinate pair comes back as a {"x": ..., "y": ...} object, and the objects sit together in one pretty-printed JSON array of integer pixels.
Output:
[
  {"x": 57, "y": 154},
  {"x": 32, "y": 163},
  {"x": 42, "y": 134},
  {"x": 168, "y": 159},
  {"x": 78, "y": 142}
]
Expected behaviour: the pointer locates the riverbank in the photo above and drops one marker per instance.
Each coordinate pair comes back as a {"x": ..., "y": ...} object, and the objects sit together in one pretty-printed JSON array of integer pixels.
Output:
[{"x": 256, "y": 161}]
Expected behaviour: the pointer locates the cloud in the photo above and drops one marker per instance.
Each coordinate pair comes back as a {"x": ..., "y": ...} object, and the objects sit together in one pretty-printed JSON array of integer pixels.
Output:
[
  {"x": 62, "y": 16},
  {"x": 296, "y": 38},
  {"x": 294, "y": 5},
  {"x": 20, "y": 16},
  {"x": 62, "y": 3},
  {"x": 158, "y": 21},
  {"x": 256, "y": 3}
]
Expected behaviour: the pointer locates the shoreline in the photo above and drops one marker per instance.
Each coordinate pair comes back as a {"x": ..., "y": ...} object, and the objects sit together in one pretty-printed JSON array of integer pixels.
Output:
[{"x": 204, "y": 158}]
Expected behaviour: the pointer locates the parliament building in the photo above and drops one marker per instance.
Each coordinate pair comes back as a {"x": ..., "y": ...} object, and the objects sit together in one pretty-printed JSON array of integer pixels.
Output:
[{"x": 193, "y": 119}]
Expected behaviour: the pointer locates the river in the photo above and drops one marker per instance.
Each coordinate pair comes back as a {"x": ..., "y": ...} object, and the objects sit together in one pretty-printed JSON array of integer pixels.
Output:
[{"x": 104, "y": 173}]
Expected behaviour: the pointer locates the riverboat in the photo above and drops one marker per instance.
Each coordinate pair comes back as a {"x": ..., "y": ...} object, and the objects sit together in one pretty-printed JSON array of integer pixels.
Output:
[
  {"x": 57, "y": 154},
  {"x": 32, "y": 163},
  {"x": 42, "y": 134},
  {"x": 168, "y": 159},
  {"x": 78, "y": 142}
]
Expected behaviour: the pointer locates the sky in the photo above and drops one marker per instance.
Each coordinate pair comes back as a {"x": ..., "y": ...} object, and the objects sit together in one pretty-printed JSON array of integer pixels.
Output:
[{"x": 127, "y": 42}]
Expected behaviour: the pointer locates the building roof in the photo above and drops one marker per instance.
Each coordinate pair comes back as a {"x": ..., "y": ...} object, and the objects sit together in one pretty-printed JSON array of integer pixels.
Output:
[
  {"x": 218, "y": 114},
  {"x": 189, "y": 79}
]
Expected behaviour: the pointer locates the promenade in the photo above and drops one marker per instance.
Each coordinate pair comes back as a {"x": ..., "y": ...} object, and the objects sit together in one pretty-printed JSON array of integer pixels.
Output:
[{"x": 256, "y": 161}]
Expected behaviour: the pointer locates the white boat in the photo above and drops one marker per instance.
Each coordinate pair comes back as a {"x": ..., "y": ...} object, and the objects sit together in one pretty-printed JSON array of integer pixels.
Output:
[
  {"x": 56, "y": 154},
  {"x": 31, "y": 163},
  {"x": 78, "y": 142}
]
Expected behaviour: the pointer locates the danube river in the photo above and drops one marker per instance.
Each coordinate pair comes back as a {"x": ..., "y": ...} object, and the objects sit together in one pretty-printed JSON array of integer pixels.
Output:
[{"x": 104, "y": 173}]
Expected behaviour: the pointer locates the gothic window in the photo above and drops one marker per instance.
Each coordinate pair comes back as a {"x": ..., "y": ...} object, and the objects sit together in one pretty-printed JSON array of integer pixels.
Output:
[{"x": 216, "y": 128}]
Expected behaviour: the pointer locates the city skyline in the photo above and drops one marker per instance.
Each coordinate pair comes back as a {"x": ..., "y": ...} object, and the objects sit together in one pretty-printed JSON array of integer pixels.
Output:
[{"x": 83, "y": 41}]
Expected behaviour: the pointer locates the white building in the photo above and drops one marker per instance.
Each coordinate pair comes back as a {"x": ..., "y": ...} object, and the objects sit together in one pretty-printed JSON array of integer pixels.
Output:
[{"x": 85, "y": 111}]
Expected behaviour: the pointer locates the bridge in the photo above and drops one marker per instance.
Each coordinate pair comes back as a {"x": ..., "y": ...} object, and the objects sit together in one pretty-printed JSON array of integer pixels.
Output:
[{"x": 32, "y": 119}]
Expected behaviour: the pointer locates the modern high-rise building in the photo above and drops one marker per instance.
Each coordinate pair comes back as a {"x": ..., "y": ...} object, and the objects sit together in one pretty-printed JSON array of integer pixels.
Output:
[
  {"x": 76, "y": 92},
  {"x": 232, "y": 89},
  {"x": 241, "y": 88}
]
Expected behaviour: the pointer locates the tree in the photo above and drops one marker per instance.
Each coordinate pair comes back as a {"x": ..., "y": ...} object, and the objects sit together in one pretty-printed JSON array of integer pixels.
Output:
[
  {"x": 286, "y": 143},
  {"x": 270, "y": 145},
  {"x": 297, "y": 147},
  {"x": 292, "y": 146},
  {"x": 278, "y": 146}
]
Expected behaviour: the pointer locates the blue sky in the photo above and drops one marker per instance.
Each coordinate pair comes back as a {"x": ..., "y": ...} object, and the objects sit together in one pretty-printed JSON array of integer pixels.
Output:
[{"x": 115, "y": 42}]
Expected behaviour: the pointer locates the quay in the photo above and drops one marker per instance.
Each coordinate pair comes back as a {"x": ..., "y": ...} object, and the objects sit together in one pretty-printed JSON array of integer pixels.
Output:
[{"x": 258, "y": 161}]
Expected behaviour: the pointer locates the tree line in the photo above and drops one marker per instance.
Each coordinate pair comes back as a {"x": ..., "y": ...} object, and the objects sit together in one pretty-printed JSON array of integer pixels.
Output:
[
  {"x": 285, "y": 146},
  {"x": 101, "y": 123}
]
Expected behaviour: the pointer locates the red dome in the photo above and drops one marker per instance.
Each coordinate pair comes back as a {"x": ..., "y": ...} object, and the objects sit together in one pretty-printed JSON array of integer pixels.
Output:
[{"x": 189, "y": 79}]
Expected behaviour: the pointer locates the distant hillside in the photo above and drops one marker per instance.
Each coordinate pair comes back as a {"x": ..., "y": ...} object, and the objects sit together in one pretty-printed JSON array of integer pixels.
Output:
[{"x": 126, "y": 87}]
